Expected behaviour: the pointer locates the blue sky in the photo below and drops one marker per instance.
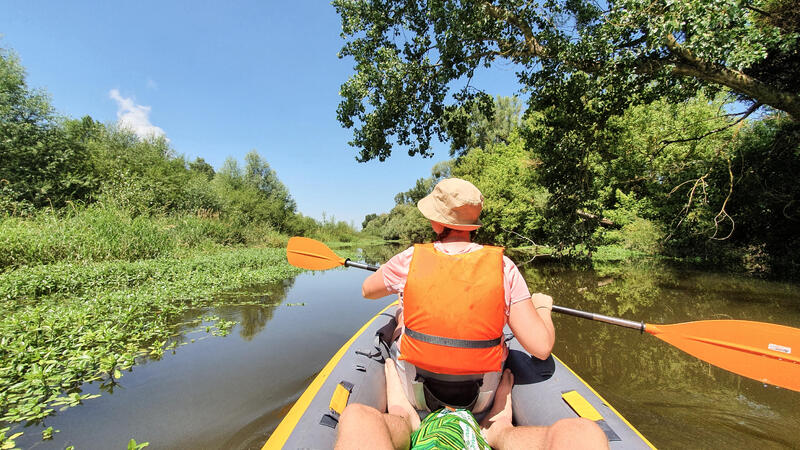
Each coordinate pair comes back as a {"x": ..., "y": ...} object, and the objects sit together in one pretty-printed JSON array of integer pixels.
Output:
[{"x": 220, "y": 79}]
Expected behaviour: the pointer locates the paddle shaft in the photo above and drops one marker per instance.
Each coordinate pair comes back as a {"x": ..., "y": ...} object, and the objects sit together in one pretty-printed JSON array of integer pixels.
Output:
[
  {"x": 600, "y": 318},
  {"x": 348, "y": 263}
]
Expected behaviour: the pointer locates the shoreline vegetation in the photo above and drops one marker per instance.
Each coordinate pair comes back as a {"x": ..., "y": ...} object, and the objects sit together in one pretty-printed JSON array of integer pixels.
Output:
[{"x": 86, "y": 292}]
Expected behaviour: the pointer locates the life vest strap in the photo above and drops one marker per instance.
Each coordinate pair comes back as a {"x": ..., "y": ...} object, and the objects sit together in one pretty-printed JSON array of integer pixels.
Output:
[{"x": 450, "y": 342}]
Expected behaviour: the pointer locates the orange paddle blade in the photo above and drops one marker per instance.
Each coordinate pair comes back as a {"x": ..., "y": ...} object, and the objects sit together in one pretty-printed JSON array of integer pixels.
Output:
[
  {"x": 762, "y": 351},
  {"x": 312, "y": 255}
]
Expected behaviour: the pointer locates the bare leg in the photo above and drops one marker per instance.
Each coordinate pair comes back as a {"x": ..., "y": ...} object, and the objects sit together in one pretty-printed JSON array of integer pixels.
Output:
[
  {"x": 396, "y": 401},
  {"x": 364, "y": 427},
  {"x": 564, "y": 434},
  {"x": 498, "y": 420},
  {"x": 575, "y": 433}
]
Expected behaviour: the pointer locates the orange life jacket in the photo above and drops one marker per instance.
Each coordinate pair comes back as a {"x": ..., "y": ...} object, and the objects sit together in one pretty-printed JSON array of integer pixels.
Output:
[{"x": 454, "y": 311}]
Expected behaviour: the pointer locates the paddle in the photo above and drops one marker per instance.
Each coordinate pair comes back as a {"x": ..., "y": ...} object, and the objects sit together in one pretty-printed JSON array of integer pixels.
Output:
[{"x": 762, "y": 351}]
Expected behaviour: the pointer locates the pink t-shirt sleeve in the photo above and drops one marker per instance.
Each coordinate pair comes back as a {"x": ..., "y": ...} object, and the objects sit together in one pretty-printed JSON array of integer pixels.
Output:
[
  {"x": 515, "y": 286},
  {"x": 395, "y": 271}
]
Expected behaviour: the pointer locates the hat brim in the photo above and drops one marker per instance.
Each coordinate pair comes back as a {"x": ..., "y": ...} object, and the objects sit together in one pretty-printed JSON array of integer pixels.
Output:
[{"x": 425, "y": 206}]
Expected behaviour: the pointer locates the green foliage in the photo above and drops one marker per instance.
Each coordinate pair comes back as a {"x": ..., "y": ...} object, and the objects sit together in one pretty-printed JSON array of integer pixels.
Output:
[
  {"x": 404, "y": 223},
  {"x": 42, "y": 163},
  {"x": 144, "y": 176},
  {"x": 484, "y": 129},
  {"x": 642, "y": 235},
  {"x": 331, "y": 230},
  {"x": 64, "y": 324},
  {"x": 367, "y": 219},
  {"x": 89, "y": 235},
  {"x": 254, "y": 194},
  {"x": 200, "y": 165},
  {"x": 133, "y": 445},
  {"x": 635, "y": 232},
  {"x": 107, "y": 234},
  {"x": 765, "y": 203},
  {"x": 8, "y": 442},
  {"x": 409, "y": 55}
]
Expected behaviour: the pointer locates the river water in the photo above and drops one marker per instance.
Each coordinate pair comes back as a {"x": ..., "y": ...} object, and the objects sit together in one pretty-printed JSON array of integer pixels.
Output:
[{"x": 232, "y": 391}]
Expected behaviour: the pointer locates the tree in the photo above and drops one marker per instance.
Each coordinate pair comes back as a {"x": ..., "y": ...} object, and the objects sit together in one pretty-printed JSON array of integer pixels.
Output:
[
  {"x": 367, "y": 219},
  {"x": 255, "y": 194},
  {"x": 43, "y": 162},
  {"x": 408, "y": 55},
  {"x": 201, "y": 166},
  {"x": 259, "y": 174},
  {"x": 485, "y": 128},
  {"x": 421, "y": 188},
  {"x": 424, "y": 186}
]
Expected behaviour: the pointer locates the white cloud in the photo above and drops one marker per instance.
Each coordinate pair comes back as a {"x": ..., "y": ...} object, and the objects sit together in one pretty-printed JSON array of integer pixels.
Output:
[{"x": 134, "y": 117}]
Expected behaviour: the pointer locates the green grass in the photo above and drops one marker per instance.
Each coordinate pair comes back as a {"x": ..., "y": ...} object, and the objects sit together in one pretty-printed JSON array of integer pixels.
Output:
[
  {"x": 97, "y": 233},
  {"x": 67, "y": 323}
]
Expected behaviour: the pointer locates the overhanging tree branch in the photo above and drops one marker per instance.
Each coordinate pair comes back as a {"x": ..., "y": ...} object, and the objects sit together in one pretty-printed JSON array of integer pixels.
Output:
[
  {"x": 683, "y": 63},
  {"x": 734, "y": 79},
  {"x": 533, "y": 45},
  {"x": 744, "y": 115}
]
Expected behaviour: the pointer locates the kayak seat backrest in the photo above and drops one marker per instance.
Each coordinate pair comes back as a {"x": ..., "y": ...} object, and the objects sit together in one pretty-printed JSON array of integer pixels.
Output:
[{"x": 455, "y": 394}]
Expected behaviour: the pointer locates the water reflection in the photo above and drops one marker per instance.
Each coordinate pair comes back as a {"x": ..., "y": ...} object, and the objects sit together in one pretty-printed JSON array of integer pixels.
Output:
[
  {"x": 379, "y": 254},
  {"x": 253, "y": 306},
  {"x": 656, "y": 386}
]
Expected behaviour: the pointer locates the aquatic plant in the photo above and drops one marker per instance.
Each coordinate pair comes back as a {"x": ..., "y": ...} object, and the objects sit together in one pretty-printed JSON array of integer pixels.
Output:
[{"x": 66, "y": 324}]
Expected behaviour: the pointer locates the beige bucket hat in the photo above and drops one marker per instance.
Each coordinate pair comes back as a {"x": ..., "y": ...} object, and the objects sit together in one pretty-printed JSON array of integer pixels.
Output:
[{"x": 455, "y": 203}]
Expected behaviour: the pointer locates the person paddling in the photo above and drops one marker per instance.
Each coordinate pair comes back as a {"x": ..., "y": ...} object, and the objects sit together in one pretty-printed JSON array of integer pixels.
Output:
[{"x": 456, "y": 297}]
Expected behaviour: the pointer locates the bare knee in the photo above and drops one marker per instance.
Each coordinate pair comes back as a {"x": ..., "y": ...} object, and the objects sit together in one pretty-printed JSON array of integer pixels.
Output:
[
  {"x": 576, "y": 433},
  {"x": 356, "y": 413},
  {"x": 362, "y": 426},
  {"x": 352, "y": 422}
]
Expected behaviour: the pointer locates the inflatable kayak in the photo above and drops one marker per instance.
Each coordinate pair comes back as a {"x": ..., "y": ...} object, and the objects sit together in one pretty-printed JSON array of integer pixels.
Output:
[{"x": 544, "y": 392}]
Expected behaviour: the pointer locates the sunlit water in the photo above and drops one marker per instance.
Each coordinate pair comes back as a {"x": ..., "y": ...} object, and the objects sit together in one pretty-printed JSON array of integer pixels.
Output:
[{"x": 232, "y": 391}]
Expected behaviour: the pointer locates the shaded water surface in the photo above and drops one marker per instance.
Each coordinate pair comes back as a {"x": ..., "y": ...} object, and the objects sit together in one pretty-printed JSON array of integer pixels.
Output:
[{"x": 232, "y": 391}]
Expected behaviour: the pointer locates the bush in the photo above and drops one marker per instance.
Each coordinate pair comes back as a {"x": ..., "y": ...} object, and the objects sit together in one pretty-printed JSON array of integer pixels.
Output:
[
  {"x": 91, "y": 234},
  {"x": 642, "y": 235},
  {"x": 99, "y": 233}
]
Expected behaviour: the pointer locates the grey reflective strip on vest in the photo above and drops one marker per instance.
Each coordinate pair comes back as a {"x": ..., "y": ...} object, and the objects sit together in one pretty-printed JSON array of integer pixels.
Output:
[{"x": 449, "y": 342}]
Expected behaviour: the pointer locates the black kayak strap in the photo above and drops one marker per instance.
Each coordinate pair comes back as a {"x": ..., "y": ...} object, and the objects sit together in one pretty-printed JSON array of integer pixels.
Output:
[{"x": 450, "y": 342}]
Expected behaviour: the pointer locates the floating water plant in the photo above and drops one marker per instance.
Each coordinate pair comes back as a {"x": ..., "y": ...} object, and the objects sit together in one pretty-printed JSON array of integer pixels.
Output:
[{"x": 65, "y": 324}]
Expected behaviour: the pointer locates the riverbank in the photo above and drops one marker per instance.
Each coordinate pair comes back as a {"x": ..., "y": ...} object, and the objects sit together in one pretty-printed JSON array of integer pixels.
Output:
[{"x": 67, "y": 323}]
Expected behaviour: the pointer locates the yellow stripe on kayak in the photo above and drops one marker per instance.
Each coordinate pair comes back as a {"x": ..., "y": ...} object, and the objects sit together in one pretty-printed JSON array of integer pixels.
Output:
[
  {"x": 607, "y": 404},
  {"x": 581, "y": 406},
  {"x": 339, "y": 399},
  {"x": 285, "y": 428}
]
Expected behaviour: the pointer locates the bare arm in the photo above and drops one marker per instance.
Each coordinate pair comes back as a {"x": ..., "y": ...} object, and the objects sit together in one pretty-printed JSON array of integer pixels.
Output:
[
  {"x": 373, "y": 287},
  {"x": 533, "y": 327}
]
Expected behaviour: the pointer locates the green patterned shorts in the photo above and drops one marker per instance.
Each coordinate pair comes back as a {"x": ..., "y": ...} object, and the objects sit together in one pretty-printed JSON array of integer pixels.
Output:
[{"x": 449, "y": 429}]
